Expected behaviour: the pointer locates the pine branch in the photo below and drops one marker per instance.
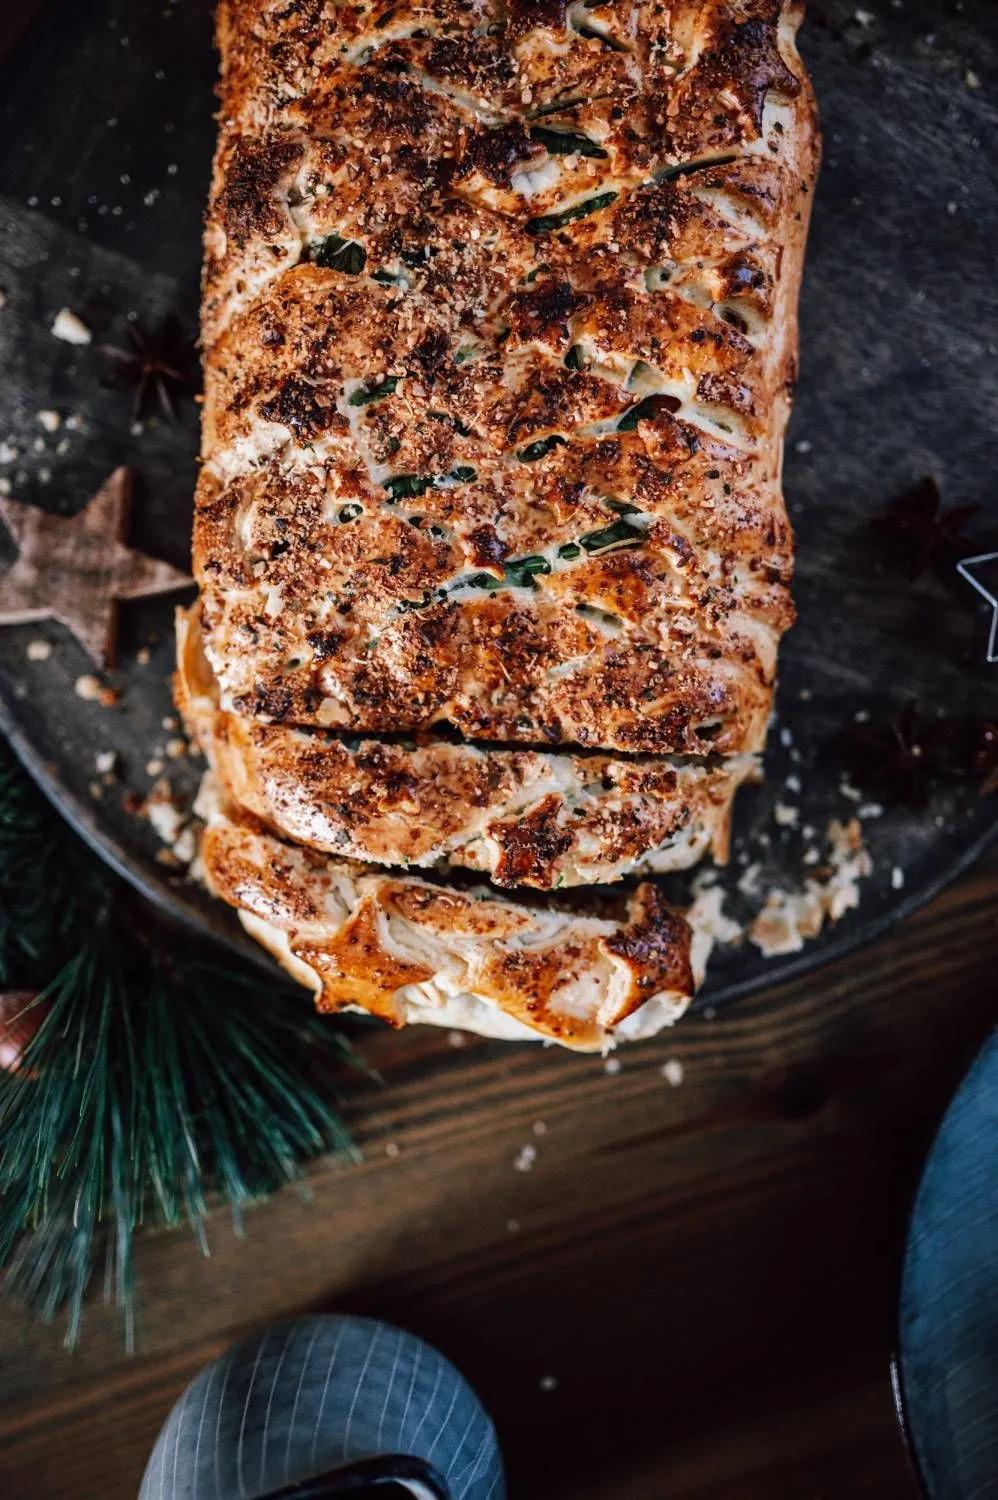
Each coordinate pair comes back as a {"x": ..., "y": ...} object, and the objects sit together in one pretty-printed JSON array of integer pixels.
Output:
[{"x": 151, "y": 1084}]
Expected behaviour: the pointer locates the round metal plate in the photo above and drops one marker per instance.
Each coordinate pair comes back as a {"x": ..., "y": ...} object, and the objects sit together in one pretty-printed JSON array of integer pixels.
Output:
[{"x": 103, "y": 188}]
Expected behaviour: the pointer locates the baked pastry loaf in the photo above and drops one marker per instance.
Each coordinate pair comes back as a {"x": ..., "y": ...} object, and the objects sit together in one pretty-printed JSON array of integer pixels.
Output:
[{"x": 499, "y": 330}]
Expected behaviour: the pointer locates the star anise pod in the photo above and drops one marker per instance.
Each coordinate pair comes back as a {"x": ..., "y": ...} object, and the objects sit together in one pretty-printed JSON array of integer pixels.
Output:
[
  {"x": 157, "y": 366},
  {"x": 984, "y": 755},
  {"x": 899, "y": 758},
  {"x": 917, "y": 531}
]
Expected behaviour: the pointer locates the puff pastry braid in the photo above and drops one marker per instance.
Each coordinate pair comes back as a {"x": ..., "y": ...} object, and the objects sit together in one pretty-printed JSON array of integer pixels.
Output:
[{"x": 499, "y": 328}]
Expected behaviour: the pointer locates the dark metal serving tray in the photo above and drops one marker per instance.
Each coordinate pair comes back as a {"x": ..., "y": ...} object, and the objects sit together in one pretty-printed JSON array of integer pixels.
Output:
[{"x": 106, "y": 134}]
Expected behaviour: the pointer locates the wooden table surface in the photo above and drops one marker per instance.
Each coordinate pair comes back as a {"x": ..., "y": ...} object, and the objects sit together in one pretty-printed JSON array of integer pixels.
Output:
[{"x": 707, "y": 1270}]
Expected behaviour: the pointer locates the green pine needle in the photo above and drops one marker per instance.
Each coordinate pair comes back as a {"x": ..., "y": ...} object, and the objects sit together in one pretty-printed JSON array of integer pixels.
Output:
[{"x": 152, "y": 1085}]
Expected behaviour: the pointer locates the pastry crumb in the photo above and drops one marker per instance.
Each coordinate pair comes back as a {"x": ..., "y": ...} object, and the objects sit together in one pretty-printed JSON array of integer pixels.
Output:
[
  {"x": 88, "y": 687},
  {"x": 69, "y": 328},
  {"x": 525, "y": 1158},
  {"x": 166, "y": 817},
  {"x": 39, "y": 650},
  {"x": 673, "y": 1072},
  {"x": 789, "y": 918}
]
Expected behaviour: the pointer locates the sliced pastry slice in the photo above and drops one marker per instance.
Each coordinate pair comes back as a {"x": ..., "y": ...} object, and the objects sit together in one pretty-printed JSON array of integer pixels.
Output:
[
  {"x": 408, "y": 950},
  {"x": 521, "y": 817}
]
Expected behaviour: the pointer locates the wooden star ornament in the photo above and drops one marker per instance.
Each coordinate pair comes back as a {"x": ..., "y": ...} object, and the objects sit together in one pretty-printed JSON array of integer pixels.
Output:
[{"x": 75, "y": 569}]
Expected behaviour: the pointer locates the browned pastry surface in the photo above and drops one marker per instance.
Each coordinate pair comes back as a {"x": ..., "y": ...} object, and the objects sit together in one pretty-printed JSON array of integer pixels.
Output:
[
  {"x": 407, "y": 950},
  {"x": 519, "y": 816},
  {"x": 499, "y": 330}
]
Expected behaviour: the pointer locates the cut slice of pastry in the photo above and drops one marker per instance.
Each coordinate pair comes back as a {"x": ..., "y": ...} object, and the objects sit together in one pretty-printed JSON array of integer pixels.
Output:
[
  {"x": 521, "y": 817},
  {"x": 408, "y": 950}
]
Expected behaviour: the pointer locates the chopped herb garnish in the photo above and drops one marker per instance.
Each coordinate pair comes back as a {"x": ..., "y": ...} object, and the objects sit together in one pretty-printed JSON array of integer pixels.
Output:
[
  {"x": 573, "y": 359},
  {"x": 415, "y": 484},
  {"x": 415, "y": 255},
  {"x": 546, "y": 223},
  {"x": 520, "y": 572},
  {"x": 390, "y": 278},
  {"x": 620, "y": 534},
  {"x": 565, "y": 143},
  {"x": 337, "y": 254},
  {"x": 622, "y": 507},
  {"x": 405, "y": 606},
  {"x": 684, "y": 168},
  {"x": 555, "y": 107},
  {"x": 351, "y": 512},
  {"x": 533, "y": 451},
  {"x": 569, "y": 551},
  {"x": 403, "y": 486},
  {"x": 647, "y": 410},
  {"x": 375, "y": 392}
]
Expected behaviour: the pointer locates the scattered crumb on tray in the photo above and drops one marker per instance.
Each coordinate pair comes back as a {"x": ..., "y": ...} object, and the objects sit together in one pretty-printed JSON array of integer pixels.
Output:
[
  {"x": 672, "y": 1072},
  {"x": 39, "y": 650},
  {"x": 786, "y": 816},
  {"x": 708, "y": 920},
  {"x": 174, "y": 826},
  {"x": 163, "y": 813},
  {"x": 92, "y": 690},
  {"x": 789, "y": 918},
  {"x": 70, "y": 328},
  {"x": 524, "y": 1159}
]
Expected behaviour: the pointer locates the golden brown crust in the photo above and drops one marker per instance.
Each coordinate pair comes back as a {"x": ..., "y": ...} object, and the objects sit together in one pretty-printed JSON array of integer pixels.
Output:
[
  {"x": 522, "y": 817},
  {"x": 401, "y": 948},
  {"x": 410, "y": 511}
]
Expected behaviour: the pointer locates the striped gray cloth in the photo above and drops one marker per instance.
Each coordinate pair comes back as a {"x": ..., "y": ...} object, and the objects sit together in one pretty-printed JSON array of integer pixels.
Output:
[{"x": 309, "y": 1396}]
